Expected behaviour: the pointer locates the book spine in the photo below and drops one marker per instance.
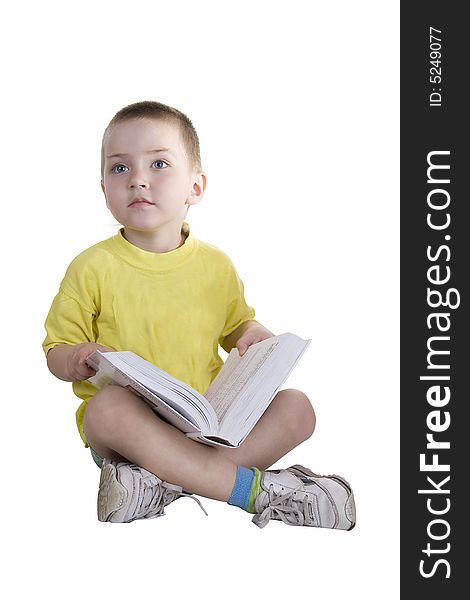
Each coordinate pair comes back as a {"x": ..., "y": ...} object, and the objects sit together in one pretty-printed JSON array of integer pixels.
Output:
[{"x": 211, "y": 440}]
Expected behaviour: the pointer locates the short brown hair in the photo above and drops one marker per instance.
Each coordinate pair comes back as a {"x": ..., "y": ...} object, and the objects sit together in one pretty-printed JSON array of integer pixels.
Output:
[{"x": 149, "y": 109}]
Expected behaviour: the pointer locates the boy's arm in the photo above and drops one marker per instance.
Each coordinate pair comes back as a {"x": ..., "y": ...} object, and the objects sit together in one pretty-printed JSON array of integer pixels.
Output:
[
  {"x": 246, "y": 334},
  {"x": 68, "y": 362}
]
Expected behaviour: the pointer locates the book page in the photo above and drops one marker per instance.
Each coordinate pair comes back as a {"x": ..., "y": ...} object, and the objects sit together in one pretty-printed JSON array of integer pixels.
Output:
[{"x": 236, "y": 374}]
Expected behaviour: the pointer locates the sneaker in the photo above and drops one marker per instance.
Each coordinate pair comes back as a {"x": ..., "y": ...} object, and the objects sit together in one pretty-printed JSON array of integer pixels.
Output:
[
  {"x": 298, "y": 496},
  {"x": 128, "y": 492}
]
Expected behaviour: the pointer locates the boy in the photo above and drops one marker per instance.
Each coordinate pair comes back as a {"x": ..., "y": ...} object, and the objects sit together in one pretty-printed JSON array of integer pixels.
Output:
[{"x": 157, "y": 291}]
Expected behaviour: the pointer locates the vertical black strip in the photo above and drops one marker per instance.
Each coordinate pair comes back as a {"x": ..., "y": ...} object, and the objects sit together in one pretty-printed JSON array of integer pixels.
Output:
[{"x": 435, "y": 257}]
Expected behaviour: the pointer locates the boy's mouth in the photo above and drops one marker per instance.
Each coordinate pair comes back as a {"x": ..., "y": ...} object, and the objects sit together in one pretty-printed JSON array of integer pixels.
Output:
[{"x": 138, "y": 201}]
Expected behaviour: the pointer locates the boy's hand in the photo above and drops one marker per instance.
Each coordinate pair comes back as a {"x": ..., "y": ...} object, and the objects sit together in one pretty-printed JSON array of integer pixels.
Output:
[
  {"x": 255, "y": 333},
  {"x": 67, "y": 362},
  {"x": 76, "y": 368}
]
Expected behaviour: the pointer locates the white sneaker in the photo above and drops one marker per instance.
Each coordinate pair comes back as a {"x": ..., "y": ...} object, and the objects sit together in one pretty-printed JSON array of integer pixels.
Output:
[
  {"x": 128, "y": 492},
  {"x": 298, "y": 496}
]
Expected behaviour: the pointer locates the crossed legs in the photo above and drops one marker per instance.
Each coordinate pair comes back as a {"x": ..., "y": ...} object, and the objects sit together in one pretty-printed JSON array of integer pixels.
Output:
[{"x": 121, "y": 426}]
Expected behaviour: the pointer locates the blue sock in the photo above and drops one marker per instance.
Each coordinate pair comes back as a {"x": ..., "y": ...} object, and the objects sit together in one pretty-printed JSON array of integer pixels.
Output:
[{"x": 240, "y": 495}]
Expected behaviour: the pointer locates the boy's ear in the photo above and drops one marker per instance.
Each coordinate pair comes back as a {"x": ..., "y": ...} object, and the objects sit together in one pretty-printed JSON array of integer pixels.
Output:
[{"x": 198, "y": 189}]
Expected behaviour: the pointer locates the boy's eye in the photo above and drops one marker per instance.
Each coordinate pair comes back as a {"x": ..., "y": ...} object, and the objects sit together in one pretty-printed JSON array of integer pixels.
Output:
[
  {"x": 160, "y": 164},
  {"x": 118, "y": 169}
]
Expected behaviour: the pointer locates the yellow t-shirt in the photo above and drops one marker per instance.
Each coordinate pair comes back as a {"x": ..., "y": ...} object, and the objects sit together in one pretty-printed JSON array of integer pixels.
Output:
[{"x": 171, "y": 308}]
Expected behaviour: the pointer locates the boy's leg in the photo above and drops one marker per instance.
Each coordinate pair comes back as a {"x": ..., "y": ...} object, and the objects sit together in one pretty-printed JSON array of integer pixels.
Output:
[
  {"x": 288, "y": 421},
  {"x": 140, "y": 437},
  {"x": 119, "y": 425}
]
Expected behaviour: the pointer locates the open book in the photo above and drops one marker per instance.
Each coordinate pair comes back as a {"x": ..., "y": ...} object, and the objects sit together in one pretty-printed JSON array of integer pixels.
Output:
[{"x": 233, "y": 403}]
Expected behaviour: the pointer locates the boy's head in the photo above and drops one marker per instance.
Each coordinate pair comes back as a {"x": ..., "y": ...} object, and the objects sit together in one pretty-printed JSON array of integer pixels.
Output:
[
  {"x": 151, "y": 170},
  {"x": 156, "y": 110}
]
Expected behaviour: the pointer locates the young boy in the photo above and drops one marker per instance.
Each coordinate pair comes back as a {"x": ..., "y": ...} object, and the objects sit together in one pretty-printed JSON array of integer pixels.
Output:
[{"x": 172, "y": 299}]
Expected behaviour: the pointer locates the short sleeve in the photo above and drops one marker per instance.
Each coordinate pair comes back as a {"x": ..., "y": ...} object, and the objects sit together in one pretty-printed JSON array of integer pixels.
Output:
[
  {"x": 238, "y": 310},
  {"x": 73, "y": 311},
  {"x": 67, "y": 323}
]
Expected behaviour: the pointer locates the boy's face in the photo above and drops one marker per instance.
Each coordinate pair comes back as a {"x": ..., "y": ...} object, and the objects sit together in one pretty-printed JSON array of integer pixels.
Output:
[{"x": 148, "y": 180}]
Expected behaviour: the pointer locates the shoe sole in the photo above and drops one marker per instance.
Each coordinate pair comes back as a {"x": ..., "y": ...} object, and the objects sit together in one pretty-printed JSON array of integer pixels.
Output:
[
  {"x": 111, "y": 495},
  {"x": 349, "y": 507}
]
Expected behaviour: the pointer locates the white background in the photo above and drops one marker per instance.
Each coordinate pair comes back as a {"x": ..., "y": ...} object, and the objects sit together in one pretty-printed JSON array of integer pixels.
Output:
[{"x": 296, "y": 106}]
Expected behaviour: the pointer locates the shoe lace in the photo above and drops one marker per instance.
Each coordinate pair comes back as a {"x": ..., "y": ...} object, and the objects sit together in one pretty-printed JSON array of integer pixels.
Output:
[
  {"x": 155, "y": 494},
  {"x": 293, "y": 507}
]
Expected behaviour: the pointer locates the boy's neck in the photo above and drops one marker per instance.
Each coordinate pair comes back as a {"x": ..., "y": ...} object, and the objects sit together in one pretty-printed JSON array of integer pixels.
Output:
[{"x": 157, "y": 242}]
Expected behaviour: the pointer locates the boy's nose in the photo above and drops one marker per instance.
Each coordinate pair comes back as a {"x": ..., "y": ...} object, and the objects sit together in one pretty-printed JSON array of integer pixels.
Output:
[
  {"x": 138, "y": 180},
  {"x": 138, "y": 184}
]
